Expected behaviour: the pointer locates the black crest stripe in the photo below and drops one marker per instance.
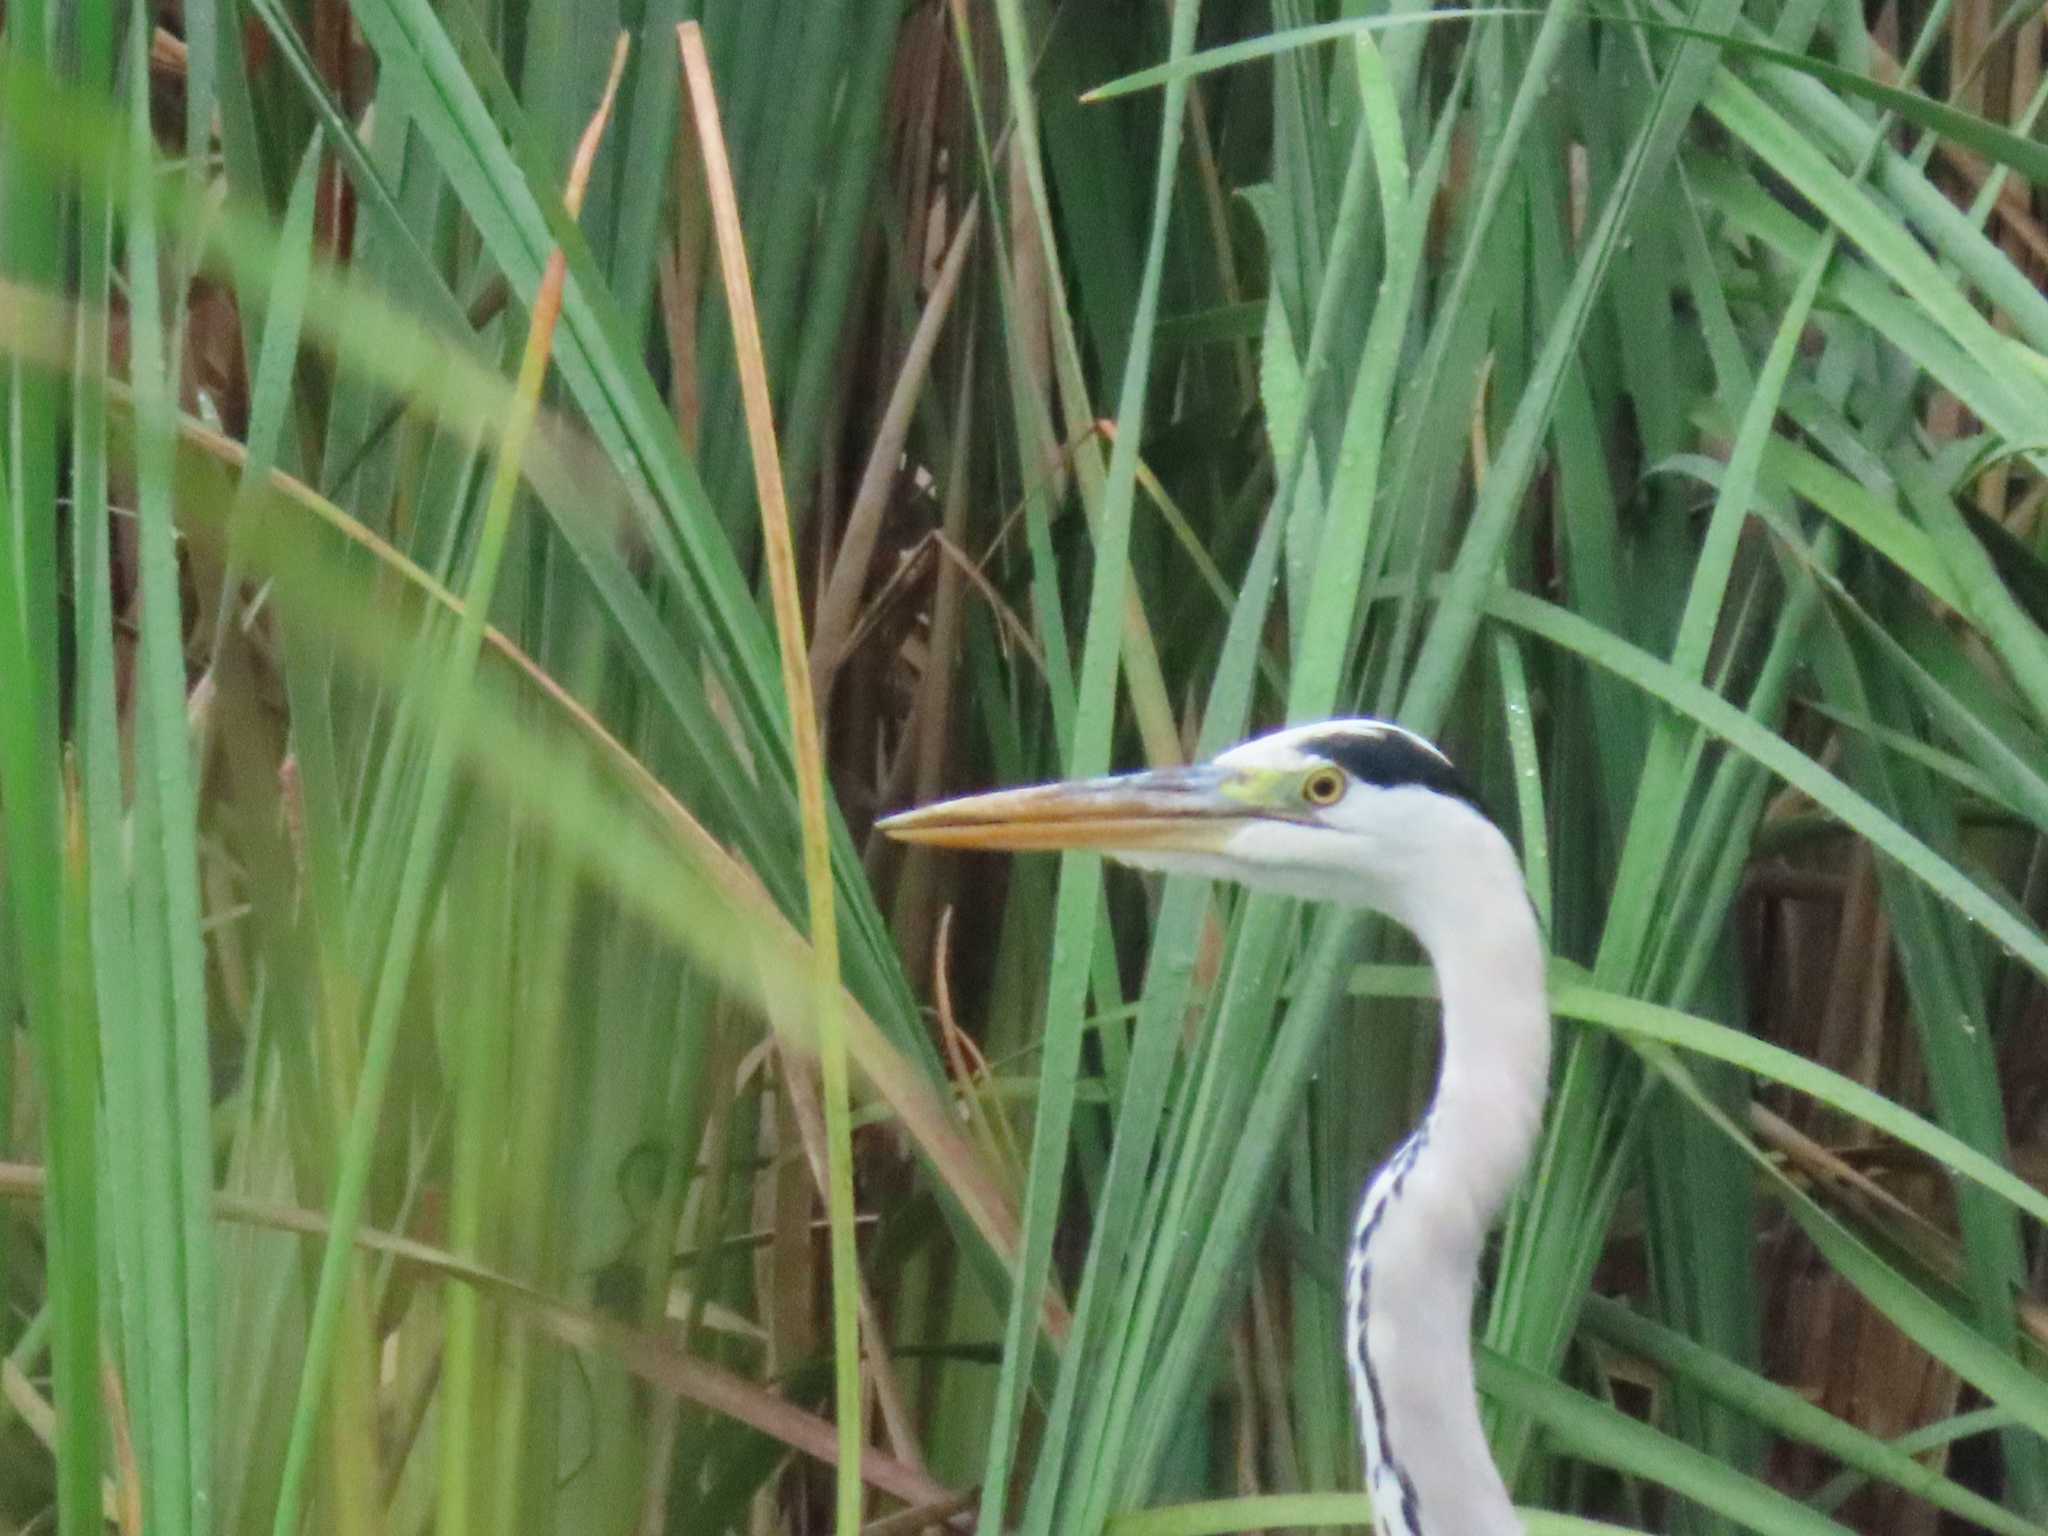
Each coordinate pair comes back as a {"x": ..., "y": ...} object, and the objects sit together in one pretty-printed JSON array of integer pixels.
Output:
[{"x": 1390, "y": 760}]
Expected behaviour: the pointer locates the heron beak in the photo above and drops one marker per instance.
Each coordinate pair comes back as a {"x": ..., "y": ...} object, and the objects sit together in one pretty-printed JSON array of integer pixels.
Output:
[{"x": 1185, "y": 809}]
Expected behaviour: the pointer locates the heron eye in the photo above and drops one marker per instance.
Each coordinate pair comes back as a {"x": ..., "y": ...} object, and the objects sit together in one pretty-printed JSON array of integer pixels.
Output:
[{"x": 1323, "y": 787}]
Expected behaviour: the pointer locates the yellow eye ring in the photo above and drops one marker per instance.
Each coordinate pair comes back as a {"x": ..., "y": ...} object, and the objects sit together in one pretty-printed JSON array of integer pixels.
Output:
[{"x": 1325, "y": 786}]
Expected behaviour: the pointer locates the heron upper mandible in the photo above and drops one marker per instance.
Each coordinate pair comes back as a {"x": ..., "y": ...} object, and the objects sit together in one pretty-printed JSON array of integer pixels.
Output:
[{"x": 1365, "y": 813}]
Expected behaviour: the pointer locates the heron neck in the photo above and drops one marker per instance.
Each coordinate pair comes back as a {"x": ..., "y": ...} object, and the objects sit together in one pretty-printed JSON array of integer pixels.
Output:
[
  {"x": 1424, "y": 1219},
  {"x": 1495, "y": 1068}
]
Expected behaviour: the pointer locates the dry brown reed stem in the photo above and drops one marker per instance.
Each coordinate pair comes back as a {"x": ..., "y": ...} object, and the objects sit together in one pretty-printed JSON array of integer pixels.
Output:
[
  {"x": 820, "y": 1098},
  {"x": 839, "y": 602}
]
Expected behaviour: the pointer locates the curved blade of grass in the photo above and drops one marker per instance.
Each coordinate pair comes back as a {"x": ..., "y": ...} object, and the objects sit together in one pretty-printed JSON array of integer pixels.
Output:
[
  {"x": 2015, "y": 403},
  {"x": 1307, "y": 1511},
  {"x": 1730, "y": 724},
  {"x": 1859, "y": 510},
  {"x": 1938, "y": 1436},
  {"x": 2004, "y": 1380},
  {"x": 1971, "y": 130},
  {"x": 1791, "y": 1414},
  {"x": 1995, "y": 739},
  {"x": 1640, "y": 1021},
  {"x": 1985, "y": 597},
  {"x": 1272, "y": 44},
  {"x": 1955, "y": 770},
  {"x": 1866, "y": 294},
  {"x": 1594, "y": 1432}
]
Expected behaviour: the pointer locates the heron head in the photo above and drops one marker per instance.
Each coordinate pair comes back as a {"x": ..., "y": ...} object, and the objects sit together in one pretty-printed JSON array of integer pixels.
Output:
[{"x": 1343, "y": 810}]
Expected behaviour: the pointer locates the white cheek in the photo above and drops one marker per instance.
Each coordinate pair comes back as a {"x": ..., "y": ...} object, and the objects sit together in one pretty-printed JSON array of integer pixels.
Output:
[
  {"x": 1315, "y": 863},
  {"x": 1270, "y": 856},
  {"x": 1277, "y": 845},
  {"x": 1163, "y": 861}
]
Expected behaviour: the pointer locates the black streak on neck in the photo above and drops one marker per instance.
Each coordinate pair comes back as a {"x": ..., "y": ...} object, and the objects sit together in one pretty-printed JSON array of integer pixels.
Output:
[{"x": 1393, "y": 1175}]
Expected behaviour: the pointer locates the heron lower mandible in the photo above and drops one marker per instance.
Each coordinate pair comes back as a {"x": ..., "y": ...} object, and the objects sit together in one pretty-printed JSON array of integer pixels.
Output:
[{"x": 1365, "y": 813}]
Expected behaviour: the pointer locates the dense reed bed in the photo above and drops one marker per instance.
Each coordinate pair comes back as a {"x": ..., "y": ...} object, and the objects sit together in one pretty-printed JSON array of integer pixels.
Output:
[{"x": 480, "y": 1072}]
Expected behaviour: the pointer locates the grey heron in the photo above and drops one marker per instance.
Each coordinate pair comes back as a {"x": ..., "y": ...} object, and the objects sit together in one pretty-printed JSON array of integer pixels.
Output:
[{"x": 1365, "y": 813}]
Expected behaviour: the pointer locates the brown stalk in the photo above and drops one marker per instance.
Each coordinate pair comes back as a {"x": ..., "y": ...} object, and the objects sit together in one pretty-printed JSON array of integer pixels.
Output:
[
  {"x": 923, "y": 756},
  {"x": 839, "y": 602}
]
